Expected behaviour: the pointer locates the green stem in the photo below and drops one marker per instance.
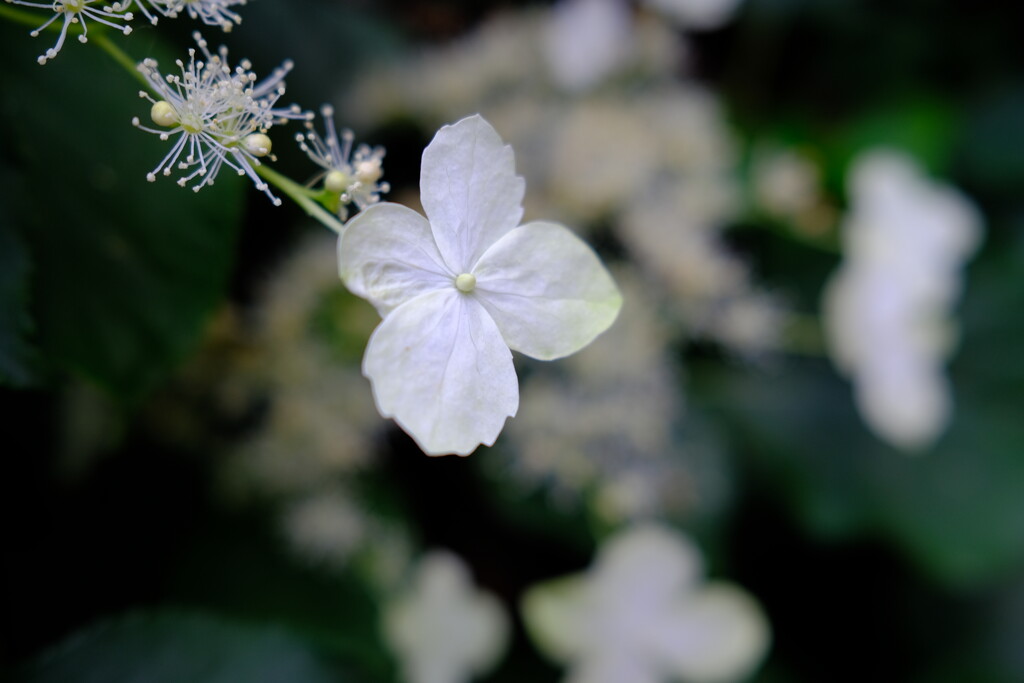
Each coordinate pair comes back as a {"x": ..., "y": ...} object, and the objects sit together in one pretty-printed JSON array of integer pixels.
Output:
[
  {"x": 302, "y": 196},
  {"x": 121, "y": 57}
]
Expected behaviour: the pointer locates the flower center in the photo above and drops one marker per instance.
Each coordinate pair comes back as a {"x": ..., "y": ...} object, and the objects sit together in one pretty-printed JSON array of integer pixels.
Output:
[{"x": 465, "y": 283}]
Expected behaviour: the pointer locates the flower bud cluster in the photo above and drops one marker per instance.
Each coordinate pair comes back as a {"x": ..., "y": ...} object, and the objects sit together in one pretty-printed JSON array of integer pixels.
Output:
[
  {"x": 76, "y": 12},
  {"x": 211, "y": 12},
  {"x": 117, "y": 14},
  {"x": 354, "y": 177},
  {"x": 219, "y": 116}
]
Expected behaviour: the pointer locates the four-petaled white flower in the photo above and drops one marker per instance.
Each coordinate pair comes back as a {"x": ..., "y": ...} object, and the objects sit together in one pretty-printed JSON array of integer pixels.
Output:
[
  {"x": 641, "y": 615},
  {"x": 76, "y": 12},
  {"x": 458, "y": 291},
  {"x": 444, "y": 630},
  {"x": 888, "y": 306}
]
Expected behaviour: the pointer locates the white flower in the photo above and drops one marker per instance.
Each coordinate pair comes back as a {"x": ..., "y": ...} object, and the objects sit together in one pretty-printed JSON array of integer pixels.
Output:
[
  {"x": 355, "y": 178},
  {"x": 641, "y": 615},
  {"x": 444, "y": 630},
  {"x": 459, "y": 290},
  {"x": 586, "y": 40},
  {"x": 887, "y": 307},
  {"x": 76, "y": 12},
  {"x": 220, "y": 116}
]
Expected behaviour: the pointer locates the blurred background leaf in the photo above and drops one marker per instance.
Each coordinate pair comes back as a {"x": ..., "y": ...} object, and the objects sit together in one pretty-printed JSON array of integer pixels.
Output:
[
  {"x": 172, "y": 647},
  {"x": 125, "y": 272},
  {"x": 17, "y": 355}
]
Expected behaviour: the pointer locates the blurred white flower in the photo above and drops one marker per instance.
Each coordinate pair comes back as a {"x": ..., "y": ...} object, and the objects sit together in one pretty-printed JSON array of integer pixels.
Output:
[
  {"x": 219, "y": 116},
  {"x": 458, "y": 291},
  {"x": 586, "y": 40},
  {"x": 887, "y": 308},
  {"x": 602, "y": 431},
  {"x": 603, "y": 155},
  {"x": 443, "y": 629},
  {"x": 786, "y": 182},
  {"x": 325, "y": 527},
  {"x": 76, "y": 12},
  {"x": 642, "y": 614}
]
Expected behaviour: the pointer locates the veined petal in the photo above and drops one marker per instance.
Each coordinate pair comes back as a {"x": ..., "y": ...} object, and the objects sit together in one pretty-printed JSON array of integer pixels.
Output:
[
  {"x": 547, "y": 291},
  {"x": 715, "y": 635},
  {"x": 469, "y": 190},
  {"x": 439, "y": 366},
  {"x": 387, "y": 255}
]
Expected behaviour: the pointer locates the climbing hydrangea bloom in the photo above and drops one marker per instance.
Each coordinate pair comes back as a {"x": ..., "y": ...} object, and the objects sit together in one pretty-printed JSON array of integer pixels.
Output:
[
  {"x": 212, "y": 12},
  {"x": 462, "y": 287},
  {"x": 641, "y": 615},
  {"x": 220, "y": 116},
  {"x": 355, "y": 178},
  {"x": 443, "y": 629},
  {"x": 888, "y": 306},
  {"x": 76, "y": 12}
]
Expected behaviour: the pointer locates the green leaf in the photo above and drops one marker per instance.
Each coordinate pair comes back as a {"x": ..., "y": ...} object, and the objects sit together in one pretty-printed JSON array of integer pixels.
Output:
[
  {"x": 956, "y": 510},
  {"x": 125, "y": 272},
  {"x": 18, "y": 358},
  {"x": 174, "y": 647}
]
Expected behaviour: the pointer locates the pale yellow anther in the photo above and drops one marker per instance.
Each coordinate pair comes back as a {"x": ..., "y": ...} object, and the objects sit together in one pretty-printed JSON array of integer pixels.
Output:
[
  {"x": 465, "y": 283},
  {"x": 258, "y": 144},
  {"x": 337, "y": 181},
  {"x": 369, "y": 172},
  {"x": 163, "y": 114}
]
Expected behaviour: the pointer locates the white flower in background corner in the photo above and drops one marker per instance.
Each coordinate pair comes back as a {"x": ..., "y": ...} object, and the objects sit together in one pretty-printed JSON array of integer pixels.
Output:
[
  {"x": 444, "y": 630},
  {"x": 458, "y": 291},
  {"x": 76, "y": 12},
  {"x": 586, "y": 40},
  {"x": 887, "y": 308},
  {"x": 643, "y": 615}
]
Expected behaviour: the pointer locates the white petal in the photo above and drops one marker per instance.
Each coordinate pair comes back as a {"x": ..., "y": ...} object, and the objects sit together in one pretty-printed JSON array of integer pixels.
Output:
[
  {"x": 614, "y": 667},
  {"x": 586, "y": 40},
  {"x": 444, "y": 629},
  {"x": 647, "y": 564},
  {"x": 548, "y": 292},
  {"x": 469, "y": 190},
  {"x": 718, "y": 634},
  {"x": 387, "y": 255},
  {"x": 439, "y": 366}
]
